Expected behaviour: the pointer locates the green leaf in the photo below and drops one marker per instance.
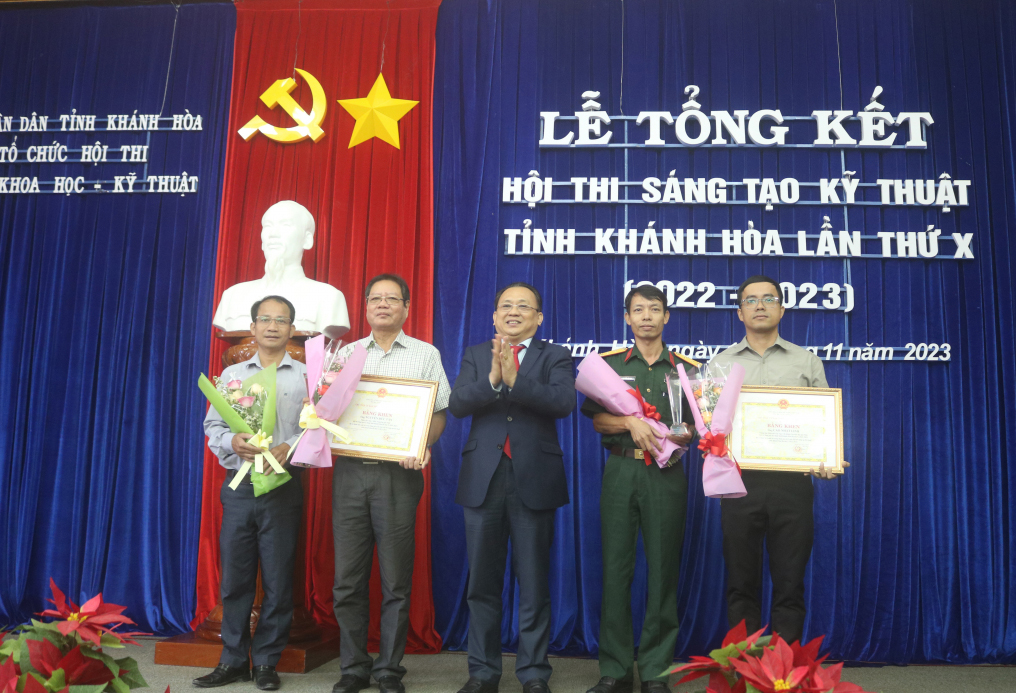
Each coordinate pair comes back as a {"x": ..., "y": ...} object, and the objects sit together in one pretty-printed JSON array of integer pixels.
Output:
[
  {"x": 24, "y": 658},
  {"x": 723, "y": 654},
  {"x": 96, "y": 688},
  {"x": 118, "y": 685},
  {"x": 57, "y": 681},
  {"x": 110, "y": 663},
  {"x": 132, "y": 676},
  {"x": 8, "y": 648},
  {"x": 45, "y": 626},
  {"x": 107, "y": 640}
]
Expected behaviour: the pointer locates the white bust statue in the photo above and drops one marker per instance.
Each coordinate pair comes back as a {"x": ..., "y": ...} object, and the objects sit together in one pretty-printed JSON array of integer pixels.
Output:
[{"x": 287, "y": 229}]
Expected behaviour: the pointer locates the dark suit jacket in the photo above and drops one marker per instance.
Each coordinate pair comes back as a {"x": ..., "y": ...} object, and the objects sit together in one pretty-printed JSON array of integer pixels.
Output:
[{"x": 544, "y": 391}]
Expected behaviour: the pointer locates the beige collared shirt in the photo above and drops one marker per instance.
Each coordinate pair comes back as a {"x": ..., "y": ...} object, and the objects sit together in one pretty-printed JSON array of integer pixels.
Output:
[{"x": 783, "y": 364}]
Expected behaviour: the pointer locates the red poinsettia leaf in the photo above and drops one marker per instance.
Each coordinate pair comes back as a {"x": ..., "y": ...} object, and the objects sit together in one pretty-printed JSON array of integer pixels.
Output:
[
  {"x": 692, "y": 676},
  {"x": 718, "y": 683},
  {"x": 834, "y": 672},
  {"x": 740, "y": 687},
  {"x": 45, "y": 656},
  {"x": 9, "y": 685},
  {"x": 697, "y": 663},
  {"x": 847, "y": 687},
  {"x": 103, "y": 619},
  {"x": 32, "y": 685},
  {"x": 108, "y": 607},
  {"x": 786, "y": 656},
  {"x": 756, "y": 635},
  {"x": 796, "y": 676},
  {"x": 9, "y": 670},
  {"x": 817, "y": 681},
  {"x": 89, "y": 634},
  {"x": 751, "y": 671},
  {"x": 59, "y": 598},
  {"x": 67, "y": 627},
  {"x": 736, "y": 634},
  {"x": 80, "y": 670},
  {"x": 92, "y": 604}
]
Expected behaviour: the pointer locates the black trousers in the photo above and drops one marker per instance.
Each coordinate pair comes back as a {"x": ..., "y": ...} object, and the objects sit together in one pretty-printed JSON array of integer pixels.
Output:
[
  {"x": 265, "y": 530},
  {"x": 488, "y": 528},
  {"x": 373, "y": 505},
  {"x": 776, "y": 511}
]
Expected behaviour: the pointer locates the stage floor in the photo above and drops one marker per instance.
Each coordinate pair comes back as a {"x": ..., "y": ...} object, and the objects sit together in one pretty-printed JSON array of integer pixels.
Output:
[{"x": 446, "y": 672}]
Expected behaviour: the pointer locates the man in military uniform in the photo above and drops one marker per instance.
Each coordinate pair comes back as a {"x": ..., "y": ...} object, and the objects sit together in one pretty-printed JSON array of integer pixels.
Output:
[{"x": 636, "y": 494}]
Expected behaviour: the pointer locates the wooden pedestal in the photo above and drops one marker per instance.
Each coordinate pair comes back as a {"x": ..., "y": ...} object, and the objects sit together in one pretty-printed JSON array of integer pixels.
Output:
[{"x": 309, "y": 645}]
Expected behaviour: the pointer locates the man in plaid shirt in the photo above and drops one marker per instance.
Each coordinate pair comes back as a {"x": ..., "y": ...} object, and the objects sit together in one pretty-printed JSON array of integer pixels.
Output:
[{"x": 375, "y": 503}]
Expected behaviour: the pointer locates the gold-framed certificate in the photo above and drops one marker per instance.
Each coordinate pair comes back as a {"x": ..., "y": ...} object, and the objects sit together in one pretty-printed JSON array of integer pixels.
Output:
[
  {"x": 788, "y": 429},
  {"x": 388, "y": 419}
]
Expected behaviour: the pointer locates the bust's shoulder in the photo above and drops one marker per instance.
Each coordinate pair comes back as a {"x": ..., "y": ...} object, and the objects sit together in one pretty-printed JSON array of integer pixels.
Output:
[{"x": 321, "y": 288}]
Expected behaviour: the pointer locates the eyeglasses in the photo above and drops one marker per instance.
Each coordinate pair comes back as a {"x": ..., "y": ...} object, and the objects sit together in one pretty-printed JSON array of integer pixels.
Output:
[
  {"x": 375, "y": 301},
  {"x": 523, "y": 308},
  {"x": 281, "y": 322},
  {"x": 767, "y": 301}
]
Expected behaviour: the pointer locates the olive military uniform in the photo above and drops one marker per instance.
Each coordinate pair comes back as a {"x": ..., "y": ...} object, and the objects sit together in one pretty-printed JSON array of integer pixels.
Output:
[{"x": 636, "y": 495}]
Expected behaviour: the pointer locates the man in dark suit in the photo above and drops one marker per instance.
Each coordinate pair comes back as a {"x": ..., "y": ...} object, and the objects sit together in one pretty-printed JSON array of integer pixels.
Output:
[{"x": 512, "y": 480}]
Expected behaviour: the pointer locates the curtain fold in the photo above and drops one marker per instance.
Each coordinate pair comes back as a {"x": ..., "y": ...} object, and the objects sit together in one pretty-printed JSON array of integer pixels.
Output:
[
  {"x": 913, "y": 558},
  {"x": 105, "y": 301}
]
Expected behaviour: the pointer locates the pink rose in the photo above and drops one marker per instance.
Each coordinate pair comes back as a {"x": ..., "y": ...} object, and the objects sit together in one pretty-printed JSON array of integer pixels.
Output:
[
  {"x": 330, "y": 377},
  {"x": 234, "y": 384},
  {"x": 245, "y": 401}
]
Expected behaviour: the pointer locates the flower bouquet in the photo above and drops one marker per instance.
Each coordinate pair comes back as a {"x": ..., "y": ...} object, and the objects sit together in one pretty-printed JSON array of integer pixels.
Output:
[
  {"x": 600, "y": 382},
  {"x": 331, "y": 383},
  {"x": 249, "y": 407},
  {"x": 713, "y": 398},
  {"x": 764, "y": 664},
  {"x": 66, "y": 654}
]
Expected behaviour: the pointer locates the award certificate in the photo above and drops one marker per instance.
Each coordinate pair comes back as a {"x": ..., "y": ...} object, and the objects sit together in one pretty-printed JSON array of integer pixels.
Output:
[
  {"x": 788, "y": 429},
  {"x": 388, "y": 419}
]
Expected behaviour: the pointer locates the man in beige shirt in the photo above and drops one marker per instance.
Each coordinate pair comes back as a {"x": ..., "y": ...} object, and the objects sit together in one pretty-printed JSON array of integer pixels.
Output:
[{"x": 778, "y": 507}]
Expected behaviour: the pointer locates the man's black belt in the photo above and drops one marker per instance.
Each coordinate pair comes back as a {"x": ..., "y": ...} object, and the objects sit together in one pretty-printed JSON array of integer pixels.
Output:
[{"x": 637, "y": 453}]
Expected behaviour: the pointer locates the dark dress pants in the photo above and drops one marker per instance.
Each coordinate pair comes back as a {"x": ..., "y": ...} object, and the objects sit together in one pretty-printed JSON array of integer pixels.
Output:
[
  {"x": 488, "y": 528},
  {"x": 777, "y": 510},
  {"x": 373, "y": 504},
  {"x": 265, "y": 530}
]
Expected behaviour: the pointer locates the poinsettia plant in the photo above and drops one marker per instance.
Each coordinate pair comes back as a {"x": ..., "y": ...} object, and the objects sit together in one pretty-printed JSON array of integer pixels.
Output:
[
  {"x": 759, "y": 663},
  {"x": 65, "y": 655}
]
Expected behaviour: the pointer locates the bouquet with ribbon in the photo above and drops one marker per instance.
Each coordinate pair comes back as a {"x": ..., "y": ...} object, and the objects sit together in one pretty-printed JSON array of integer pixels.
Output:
[
  {"x": 249, "y": 407},
  {"x": 600, "y": 382},
  {"x": 713, "y": 399},
  {"x": 331, "y": 383}
]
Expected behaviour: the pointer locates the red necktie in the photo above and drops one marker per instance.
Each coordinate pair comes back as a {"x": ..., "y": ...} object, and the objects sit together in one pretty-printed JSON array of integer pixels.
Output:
[{"x": 515, "y": 352}]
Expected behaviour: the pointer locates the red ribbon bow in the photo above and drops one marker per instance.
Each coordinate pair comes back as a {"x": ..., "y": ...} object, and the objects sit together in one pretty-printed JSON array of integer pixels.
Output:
[
  {"x": 648, "y": 410},
  {"x": 714, "y": 444}
]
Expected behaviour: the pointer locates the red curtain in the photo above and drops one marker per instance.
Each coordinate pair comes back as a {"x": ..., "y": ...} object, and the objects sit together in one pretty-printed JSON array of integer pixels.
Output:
[{"x": 374, "y": 210}]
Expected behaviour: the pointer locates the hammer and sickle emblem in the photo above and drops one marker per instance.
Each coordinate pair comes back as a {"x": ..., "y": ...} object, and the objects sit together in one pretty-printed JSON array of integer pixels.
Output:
[{"x": 308, "y": 124}]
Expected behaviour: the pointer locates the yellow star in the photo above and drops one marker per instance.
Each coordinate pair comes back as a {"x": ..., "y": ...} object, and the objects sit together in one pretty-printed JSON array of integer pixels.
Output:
[{"x": 377, "y": 115}]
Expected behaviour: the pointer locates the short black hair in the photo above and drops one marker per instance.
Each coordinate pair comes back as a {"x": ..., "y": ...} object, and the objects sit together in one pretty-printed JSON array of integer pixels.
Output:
[
  {"x": 522, "y": 285},
  {"x": 254, "y": 309},
  {"x": 647, "y": 291},
  {"x": 403, "y": 286},
  {"x": 759, "y": 279}
]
